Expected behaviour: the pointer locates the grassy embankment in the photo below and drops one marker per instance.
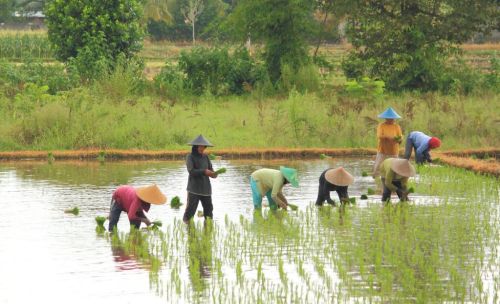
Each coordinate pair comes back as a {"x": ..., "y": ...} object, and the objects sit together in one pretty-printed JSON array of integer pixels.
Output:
[{"x": 113, "y": 114}]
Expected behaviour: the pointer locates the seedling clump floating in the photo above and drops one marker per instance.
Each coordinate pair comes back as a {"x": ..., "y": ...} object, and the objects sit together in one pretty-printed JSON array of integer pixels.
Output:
[
  {"x": 324, "y": 156},
  {"x": 175, "y": 202},
  {"x": 74, "y": 211},
  {"x": 364, "y": 197}
]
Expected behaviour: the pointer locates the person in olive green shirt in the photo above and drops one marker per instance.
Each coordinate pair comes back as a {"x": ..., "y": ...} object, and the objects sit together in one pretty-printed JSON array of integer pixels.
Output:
[
  {"x": 270, "y": 182},
  {"x": 394, "y": 173}
]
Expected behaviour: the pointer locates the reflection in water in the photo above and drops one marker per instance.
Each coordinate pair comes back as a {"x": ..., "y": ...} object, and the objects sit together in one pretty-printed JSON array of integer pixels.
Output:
[
  {"x": 199, "y": 252},
  {"x": 88, "y": 172}
]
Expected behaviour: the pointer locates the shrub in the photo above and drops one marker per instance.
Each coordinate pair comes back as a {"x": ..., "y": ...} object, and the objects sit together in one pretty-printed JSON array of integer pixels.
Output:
[
  {"x": 305, "y": 79},
  {"x": 54, "y": 76},
  {"x": 354, "y": 67},
  {"x": 365, "y": 89},
  {"x": 212, "y": 70}
]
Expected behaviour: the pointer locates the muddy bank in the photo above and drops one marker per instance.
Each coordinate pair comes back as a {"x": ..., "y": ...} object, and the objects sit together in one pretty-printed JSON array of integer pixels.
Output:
[{"x": 484, "y": 161}]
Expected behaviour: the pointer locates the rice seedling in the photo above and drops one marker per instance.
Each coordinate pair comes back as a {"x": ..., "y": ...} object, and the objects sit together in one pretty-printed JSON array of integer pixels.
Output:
[
  {"x": 102, "y": 156},
  {"x": 74, "y": 211},
  {"x": 352, "y": 200},
  {"x": 100, "y": 229},
  {"x": 100, "y": 220},
  {"x": 293, "y": 207},
  {"x": 364, "y": 174},
  {"x": 370, "y": 191},
  {"x": 324, "y": 156},
  {"x": 221, "y": 171},
  {"x": 363, "y": 197},
  {"x": 212, "y": 156},
  {"x": 155, "y": 225},
  {"x": 441, "y": 250},
  {"x": 175, "y": 202},
  {"x": 50, "y": 157}
]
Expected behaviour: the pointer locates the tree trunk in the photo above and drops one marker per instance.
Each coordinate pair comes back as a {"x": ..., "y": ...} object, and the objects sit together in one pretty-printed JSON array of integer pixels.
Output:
[
  {"x": 194, "y": 41},
  {"x": 320, "y": 38}
]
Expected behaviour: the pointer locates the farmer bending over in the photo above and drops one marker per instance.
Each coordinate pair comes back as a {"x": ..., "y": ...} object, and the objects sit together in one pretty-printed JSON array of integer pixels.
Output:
[
  {"x": 422, "y": 144},
  {"x": 333, "y": 180},
  {"x": 134, "y": 201},
  {"x": 394, "y": 174},
  {"x": 270, "y": 182}
]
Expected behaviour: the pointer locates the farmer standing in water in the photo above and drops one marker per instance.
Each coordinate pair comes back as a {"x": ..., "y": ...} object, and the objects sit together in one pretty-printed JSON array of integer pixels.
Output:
[{"x": 200, "y": 171}]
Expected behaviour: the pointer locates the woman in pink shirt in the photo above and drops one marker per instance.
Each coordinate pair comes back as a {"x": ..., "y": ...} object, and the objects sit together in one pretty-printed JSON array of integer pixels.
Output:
[{"x": 134, "y": 201}]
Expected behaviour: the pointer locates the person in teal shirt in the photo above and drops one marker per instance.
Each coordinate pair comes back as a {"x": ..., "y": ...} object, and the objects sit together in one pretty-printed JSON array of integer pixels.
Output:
[{"x": 270, "y": 182}]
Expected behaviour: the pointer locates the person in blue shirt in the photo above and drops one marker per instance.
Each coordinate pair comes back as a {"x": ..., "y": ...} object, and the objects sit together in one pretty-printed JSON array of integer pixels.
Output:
[{"x": 422, "y": 144}]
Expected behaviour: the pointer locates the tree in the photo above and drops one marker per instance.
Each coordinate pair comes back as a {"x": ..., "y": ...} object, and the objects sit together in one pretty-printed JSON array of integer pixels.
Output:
[
  {"x": 158, "y": 10},
  {"x": 111, "y": 28},
  {"x": 6, "y": 9},
  {"x": 407, "y": 42},
  {"x": 282, "y": 25},
  {"x": 191, "y": 12},
  {"x": 93, "y": 35}
]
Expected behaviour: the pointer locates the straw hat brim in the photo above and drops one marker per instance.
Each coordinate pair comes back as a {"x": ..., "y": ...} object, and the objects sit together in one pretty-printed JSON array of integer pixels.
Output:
[
  {"x": 339, "y": 177},
  {"x": 291, "y": 176},
  {"x": 403, "y": 167},
  {"x": 151, "y": 194},
  {"x": 200, "y": 141}
]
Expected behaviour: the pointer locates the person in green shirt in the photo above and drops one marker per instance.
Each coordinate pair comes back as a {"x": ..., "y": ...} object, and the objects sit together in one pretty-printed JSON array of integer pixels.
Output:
[
  {"x": 270, "y": 182},
  {"x": 394, "y": 174}
]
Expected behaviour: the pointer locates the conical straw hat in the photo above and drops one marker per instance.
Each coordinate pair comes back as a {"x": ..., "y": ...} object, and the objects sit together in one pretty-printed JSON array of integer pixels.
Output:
[
  {"x": 151, "y": 194},
  {"x": 339, "y": 177},
  {"x": 200, "y": 141},
  {"x": 389, "y": 113},
  {"x": 402, "y": 167},
  {"x": 291, "y": 175}
]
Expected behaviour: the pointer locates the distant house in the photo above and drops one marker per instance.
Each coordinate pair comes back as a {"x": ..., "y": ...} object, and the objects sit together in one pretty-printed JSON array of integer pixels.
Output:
[{"x": 35, "y": 19}]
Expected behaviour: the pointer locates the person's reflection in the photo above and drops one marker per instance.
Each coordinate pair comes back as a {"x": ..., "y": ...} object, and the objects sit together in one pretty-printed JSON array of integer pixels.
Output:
[
  {"x": 124, "y": 260},
  {"x": 200, "y": 254},
  {"x": 131, "y": 251}
]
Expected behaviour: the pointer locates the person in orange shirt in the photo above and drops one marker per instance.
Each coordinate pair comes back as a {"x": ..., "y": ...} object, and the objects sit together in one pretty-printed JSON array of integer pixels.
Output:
[{"x": 389, "y": 137}]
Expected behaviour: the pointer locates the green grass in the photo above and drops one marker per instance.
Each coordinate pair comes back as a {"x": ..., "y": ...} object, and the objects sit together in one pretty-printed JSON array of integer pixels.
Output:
[{"x": 96, "y": 118}]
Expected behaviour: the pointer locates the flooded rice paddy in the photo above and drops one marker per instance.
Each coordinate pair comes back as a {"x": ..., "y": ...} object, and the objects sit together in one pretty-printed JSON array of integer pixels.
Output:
[{"x": 442, "y": 246}]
